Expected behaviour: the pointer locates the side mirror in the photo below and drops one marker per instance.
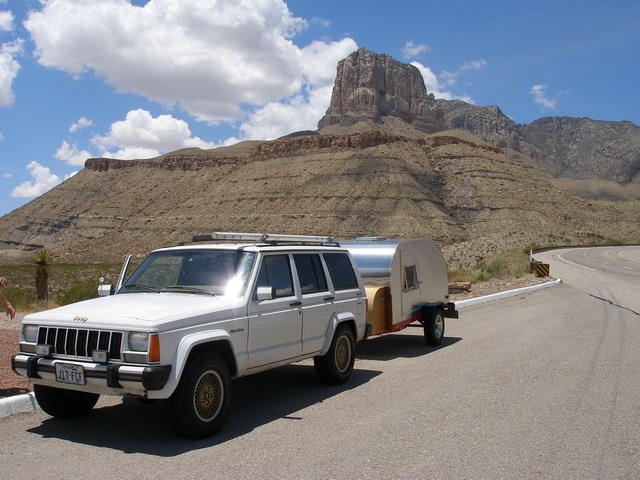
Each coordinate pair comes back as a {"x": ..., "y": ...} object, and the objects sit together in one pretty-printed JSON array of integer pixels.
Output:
[
  {"x": 265, "y": 293},
  {"x": 104, "y": 290}
]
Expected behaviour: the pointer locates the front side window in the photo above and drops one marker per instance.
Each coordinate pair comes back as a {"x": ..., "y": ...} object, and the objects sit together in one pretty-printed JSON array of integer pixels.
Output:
[{"x": 275, "y": 272}]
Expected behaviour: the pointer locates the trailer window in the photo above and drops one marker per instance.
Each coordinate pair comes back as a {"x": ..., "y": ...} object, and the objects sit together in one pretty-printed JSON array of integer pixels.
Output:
[
  {"x": 411, "y": 278},
  {"x": 341, "y": 271}
]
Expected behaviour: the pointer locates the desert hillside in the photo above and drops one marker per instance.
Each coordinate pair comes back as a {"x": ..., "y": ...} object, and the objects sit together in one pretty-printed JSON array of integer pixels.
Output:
[{"x": 466, "y": 194}]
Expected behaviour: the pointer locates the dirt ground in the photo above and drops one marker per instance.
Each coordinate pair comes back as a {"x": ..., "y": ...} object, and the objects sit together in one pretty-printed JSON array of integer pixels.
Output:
[
  {"x": 10, "y": 383},
  {"x": 14, "y": 384}
]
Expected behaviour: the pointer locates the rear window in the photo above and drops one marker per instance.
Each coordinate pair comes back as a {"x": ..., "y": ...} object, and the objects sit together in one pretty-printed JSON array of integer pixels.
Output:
[{"x": 341, "y": 271}]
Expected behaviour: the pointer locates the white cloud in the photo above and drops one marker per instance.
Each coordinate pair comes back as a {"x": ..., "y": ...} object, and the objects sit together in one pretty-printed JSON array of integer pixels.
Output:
[
  {"x": 473, "y": 65},
  {"x": 82, "y": 122},
  {"x": 277, "y": 119},
  {"x": 42, "y": 181},
  {"x": 435, "y": 86},
  {"x": 211, "y": 58},
  {"x": 6, "y": 21},
  {"x": 7, "y": 175},
  {"x": 411, "y": 50},
  {"x": 450, "y": 78},
  {"x": 71, "y": 155},
  {"x": 142, "y": 136},
  {"x": 540, "y": 96},
  {"x": 9, "y": 69},
  {"x": 319, "y": 61}
]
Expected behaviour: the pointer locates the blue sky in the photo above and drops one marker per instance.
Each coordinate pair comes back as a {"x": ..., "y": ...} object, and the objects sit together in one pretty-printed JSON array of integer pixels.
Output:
[{"x": 135, "y": 79}]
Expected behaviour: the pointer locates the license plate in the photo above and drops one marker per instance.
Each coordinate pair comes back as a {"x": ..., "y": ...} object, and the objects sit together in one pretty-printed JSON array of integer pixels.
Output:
[{"x": 69, "y": 373}]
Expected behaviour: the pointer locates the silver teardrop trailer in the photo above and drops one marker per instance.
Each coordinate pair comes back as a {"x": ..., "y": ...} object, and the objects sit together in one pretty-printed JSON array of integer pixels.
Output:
[{"x": 406, "y": 281}]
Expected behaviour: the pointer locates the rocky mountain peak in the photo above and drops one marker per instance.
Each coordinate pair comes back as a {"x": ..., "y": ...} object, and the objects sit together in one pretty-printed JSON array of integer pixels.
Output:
[
  {"x": 375, "y": 92},
  {"x": 371, "y": 86}
]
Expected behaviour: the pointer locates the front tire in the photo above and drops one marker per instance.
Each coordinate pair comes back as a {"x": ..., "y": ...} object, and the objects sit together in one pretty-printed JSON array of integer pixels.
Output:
[
  {"x": 61, "y": 403},
  {"x": 200, "y": 404},
  {"x": 433, "y": 323},
  {"x": 336, "y": 365}
]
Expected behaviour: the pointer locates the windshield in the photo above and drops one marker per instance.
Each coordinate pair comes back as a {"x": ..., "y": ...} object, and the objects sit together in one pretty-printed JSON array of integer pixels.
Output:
[{"x": 210, "y": 272}]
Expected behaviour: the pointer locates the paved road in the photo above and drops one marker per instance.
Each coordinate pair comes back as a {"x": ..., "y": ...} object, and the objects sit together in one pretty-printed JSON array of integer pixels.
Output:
[
  {"x": 540, "y": 385},
  {"x": 611, "y": 273}
]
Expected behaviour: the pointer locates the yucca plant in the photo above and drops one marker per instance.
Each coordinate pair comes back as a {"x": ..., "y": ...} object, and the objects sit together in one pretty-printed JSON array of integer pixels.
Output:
[{"x": 42, "y": 260}]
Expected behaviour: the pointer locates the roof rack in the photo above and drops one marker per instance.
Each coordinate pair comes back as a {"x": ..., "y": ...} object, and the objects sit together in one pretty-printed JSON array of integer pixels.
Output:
[{"x": 263, "y": 238}]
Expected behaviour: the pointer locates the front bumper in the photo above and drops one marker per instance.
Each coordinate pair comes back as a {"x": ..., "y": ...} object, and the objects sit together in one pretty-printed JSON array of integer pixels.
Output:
[{"x": 111, "y": 378}]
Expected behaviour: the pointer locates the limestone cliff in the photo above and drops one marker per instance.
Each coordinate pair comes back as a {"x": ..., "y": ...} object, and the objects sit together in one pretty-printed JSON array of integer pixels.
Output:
[{"x": 370, "y": 86}]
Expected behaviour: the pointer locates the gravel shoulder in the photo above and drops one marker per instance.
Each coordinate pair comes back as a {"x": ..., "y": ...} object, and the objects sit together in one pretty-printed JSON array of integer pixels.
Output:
[{"x": 14, "y": 384}]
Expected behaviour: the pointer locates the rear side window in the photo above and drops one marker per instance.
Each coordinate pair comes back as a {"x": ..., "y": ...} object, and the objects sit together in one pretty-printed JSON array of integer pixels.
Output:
[
  {"x": 341, "y": 271},
  {"x": 310, "y": 273}
]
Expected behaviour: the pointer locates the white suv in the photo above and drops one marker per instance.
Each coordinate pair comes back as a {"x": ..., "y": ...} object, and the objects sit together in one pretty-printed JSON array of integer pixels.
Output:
[{"x": 191, "y": 318}]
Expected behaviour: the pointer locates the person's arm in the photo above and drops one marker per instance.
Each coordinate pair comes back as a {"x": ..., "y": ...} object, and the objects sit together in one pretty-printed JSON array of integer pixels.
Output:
[{"x": 7, "y": 306}]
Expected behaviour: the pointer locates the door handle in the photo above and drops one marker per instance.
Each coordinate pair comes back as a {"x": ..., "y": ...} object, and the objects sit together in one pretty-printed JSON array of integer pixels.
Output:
[
  {"x": 295, "y": 304},
  {"x": 329, "y": 299}
]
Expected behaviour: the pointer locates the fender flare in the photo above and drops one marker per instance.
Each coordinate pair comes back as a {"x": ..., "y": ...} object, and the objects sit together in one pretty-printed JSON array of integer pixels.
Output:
[
  {"x": 337, "y": 319},
  {"x": 187, "y": 345}
]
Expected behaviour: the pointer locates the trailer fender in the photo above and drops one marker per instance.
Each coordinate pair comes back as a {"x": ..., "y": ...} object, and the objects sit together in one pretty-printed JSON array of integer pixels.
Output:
[{"x": 429, "y": 309}]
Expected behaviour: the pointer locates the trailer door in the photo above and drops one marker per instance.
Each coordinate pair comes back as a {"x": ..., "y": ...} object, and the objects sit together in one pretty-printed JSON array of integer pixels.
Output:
[{"x": 411, "y": 285}]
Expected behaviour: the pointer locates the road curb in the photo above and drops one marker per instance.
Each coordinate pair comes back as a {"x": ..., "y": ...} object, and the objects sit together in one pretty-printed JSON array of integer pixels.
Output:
[
  {"x": 27, "y": 402},
  {"x": 505, "y": 294}
]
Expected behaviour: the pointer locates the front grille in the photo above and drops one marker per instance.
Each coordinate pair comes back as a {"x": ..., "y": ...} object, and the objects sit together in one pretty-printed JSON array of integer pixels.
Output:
[{"x": 79, "y": 342}]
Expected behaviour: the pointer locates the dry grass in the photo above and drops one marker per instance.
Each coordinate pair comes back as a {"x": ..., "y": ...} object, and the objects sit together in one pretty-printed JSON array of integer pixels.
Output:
[{"x": 67, "y": 283}]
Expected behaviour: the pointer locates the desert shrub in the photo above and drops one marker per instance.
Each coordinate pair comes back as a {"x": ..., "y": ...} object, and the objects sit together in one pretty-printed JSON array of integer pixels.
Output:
[
  {"x": 22, "y": 299},
  {"x": 77, "y": 293},
  {"x": 512, "y": 263},
  {"x": 67, "y": 283}
]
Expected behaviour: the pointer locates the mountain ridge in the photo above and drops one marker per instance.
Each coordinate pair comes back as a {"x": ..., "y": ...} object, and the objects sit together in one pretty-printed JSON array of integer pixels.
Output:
[{"x": 365, "y": 172}]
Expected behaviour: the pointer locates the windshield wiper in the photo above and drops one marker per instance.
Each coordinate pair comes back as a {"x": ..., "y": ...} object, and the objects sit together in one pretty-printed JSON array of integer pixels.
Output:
[
  {"x": 143, "y": 287},
  {"x": 190, "y": 289}
]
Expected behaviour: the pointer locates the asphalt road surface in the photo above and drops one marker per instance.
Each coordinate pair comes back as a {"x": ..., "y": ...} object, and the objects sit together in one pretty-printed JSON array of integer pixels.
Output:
[
  {"x": 540, "y": 385},
  {"x": 610, "y": 273}
]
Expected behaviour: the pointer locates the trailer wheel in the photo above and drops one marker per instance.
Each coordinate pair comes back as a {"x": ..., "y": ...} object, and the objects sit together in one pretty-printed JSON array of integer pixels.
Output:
[
  {"x": 433, "y": 323},
  {"x": 200, "y": 404},
  {"x": 61, "y": 403},
  {"x": 336, "y": 365}
]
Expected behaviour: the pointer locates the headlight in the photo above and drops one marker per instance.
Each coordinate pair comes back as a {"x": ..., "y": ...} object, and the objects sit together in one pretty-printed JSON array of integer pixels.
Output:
[
  {"x": 30, "y": 333},
  {"x": 138, "y": 341}
]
